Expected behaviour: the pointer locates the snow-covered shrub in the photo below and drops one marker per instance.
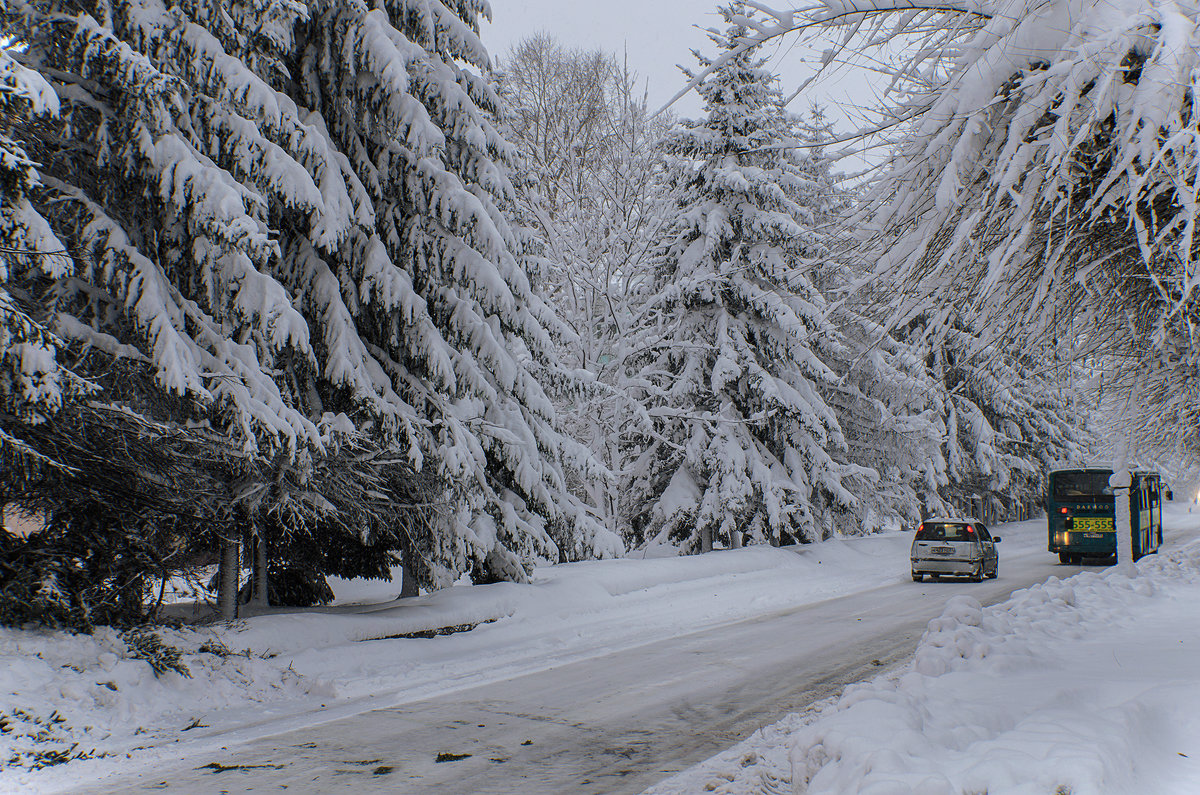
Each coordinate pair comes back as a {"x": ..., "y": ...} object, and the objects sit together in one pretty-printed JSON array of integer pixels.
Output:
[{"x": 32, "y": 585}]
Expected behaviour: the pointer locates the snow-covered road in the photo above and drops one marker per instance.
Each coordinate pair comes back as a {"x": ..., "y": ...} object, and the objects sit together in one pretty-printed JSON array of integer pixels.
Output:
[{"x": 613, "y": 723}]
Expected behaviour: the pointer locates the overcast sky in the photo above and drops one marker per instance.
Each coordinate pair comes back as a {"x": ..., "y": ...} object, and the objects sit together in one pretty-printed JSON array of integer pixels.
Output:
[{"x": 657, "y": 34}]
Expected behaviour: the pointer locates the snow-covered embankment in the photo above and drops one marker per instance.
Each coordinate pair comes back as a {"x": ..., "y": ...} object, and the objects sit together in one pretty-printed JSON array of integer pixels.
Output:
[{"x": 1083, "y": 686}]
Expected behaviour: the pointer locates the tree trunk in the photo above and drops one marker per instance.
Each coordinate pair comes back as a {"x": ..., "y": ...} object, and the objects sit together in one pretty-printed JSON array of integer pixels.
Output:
[
  {"x": 408, "y": 581},
  {"x": 259, "y": 594},
  {"x": 129, "y": 598},
  {"x": 228, "y": 576}
]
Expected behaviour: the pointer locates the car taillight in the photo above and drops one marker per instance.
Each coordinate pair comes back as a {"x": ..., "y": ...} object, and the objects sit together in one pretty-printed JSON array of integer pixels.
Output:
[{"x": 1065, "y": 511}]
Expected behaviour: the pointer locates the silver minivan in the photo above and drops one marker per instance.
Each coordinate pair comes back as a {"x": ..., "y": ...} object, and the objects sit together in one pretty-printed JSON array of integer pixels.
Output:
[{"x": 958, "y": 547}]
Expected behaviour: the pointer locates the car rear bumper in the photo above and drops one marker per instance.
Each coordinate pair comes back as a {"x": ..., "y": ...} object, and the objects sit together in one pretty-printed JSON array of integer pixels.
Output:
[{"x": 944, "y": 566}]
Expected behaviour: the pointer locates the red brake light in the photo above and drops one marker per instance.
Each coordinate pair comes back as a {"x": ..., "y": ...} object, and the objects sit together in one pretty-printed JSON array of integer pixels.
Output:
[
  {"x": 970, "y": 530},
  {"x": 1065, "y": 511}
]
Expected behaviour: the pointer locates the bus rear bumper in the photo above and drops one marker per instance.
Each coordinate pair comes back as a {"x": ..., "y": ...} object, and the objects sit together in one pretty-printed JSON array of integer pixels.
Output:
[{"x": 1103, "y": 546}]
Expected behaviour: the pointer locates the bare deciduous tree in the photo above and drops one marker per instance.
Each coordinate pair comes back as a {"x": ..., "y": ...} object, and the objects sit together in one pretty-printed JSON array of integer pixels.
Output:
[{"x": 588, "y": 147}]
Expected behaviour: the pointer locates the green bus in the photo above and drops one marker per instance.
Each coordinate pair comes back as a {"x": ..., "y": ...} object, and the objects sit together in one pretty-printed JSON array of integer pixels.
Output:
[{"x": 1080, "y": 511}]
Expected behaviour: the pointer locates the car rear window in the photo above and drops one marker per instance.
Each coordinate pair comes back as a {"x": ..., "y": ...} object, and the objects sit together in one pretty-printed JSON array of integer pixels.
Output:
[{"x": 944, "y": 531}]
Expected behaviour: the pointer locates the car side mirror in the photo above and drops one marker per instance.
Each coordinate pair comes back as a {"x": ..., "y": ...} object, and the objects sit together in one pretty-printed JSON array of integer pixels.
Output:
[{"x": 996, "y": 539}]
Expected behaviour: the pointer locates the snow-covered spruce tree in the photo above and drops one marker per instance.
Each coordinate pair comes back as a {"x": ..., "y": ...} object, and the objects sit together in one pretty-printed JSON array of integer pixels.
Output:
[
  {"x": 947, "y": 427},
  {"x": 1008, "y": 420},
  {"x": 292, "y": 214},
  {"x": 468, "y": 347},
  {"x": 883, "y": 402},
  {"x": 159, "y": 296},
  {"x": 735, "y": 336},
  {"x": 32, "y": 386},
  {"x": 1044, "y": 178},
  {"x": 882, "y": 394}
]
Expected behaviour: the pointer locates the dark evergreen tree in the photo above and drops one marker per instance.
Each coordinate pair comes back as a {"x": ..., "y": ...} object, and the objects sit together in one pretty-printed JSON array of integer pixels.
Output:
[{"x": 286, "y": 240}]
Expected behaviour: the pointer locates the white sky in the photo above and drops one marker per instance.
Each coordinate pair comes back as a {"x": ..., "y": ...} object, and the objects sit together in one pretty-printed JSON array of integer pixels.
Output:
[
  {"x": 656, "y": 34},
  {"x": 659, "y": 34}
]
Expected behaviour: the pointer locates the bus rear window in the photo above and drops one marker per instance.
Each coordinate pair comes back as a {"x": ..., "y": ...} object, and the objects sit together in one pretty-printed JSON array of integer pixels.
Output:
[
  {"x": 945, "y": 531},
  {"x": 1082, "y": 485}
]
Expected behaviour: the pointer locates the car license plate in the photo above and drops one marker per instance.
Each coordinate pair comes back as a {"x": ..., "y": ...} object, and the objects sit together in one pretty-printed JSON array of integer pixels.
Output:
[
  {"x": 943, "y": 550},
  {"x": 1092, "y": 525}
]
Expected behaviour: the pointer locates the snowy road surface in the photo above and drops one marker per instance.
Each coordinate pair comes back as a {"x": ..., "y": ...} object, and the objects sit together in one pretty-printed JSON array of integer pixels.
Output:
[{"x": 613, "y": 723}]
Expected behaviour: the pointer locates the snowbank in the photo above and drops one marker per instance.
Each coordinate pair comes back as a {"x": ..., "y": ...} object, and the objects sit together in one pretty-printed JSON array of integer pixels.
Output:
[
  {"x": 64, "y": 697},
  {"x": 747, "y": 581},
  {"x": 1085, "y": 686}
]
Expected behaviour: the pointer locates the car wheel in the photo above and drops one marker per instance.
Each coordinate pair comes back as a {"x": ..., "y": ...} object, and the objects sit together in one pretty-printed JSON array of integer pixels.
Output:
[
  {"x": 918, "y": 577},
  {"x": 995, "y": 572},
  {"x": 1065, "y": 558},
  {"x": 977, "y": 575}
]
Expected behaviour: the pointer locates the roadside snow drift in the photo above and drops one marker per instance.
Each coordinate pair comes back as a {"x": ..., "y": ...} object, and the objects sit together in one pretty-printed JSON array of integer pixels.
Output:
[
  {"x": 1071, "y": 687},
  {"x": 67, "y": 697},
  {"x": 1084, "y": 686}
]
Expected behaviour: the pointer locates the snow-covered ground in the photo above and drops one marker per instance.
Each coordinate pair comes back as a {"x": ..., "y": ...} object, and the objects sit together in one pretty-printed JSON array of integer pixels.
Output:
[
  {"x": 1083, "y": 686},
  {"x": 89, "y": 696}
]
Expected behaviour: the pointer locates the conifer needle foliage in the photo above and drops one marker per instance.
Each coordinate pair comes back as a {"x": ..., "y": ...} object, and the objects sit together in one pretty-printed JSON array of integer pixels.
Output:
[{"x": 292, "y": 217}]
